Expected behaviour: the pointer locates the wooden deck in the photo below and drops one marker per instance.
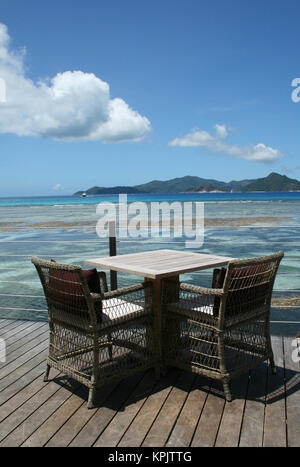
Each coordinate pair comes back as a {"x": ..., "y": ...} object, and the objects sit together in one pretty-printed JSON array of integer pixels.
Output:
[{"x": 181, "y": 410}]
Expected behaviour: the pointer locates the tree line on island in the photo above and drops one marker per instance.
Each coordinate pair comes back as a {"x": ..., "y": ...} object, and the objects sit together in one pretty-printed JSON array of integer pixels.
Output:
[{"x": 190, "y": 184}]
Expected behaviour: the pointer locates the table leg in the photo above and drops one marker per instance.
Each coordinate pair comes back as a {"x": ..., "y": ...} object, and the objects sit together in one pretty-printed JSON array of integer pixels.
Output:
[
  {"x": 153, "y": 335},
  {"x": 162, "y": 330},
  {"x": 171, "y": 328}
]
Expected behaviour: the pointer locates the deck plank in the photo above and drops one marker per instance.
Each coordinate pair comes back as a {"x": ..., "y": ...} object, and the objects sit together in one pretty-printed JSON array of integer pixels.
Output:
[
  {"x": 187, "y": 421},
  {"x": 21, "y": 371},
  {"x": 207, "y": 429},
  {"x": 180, "y": 410},
  {"x": 21, "y": 381},
  {"x": 27, "y": 328},
  {"x": 4, "y": 322},
  {"x": 13, "y": 328},
  {"x": 103, "y": 416},
  {"x": 160, "y": 430},
  {"x": 142, "y": 423},
  {"x": 28, "y": 334},
  {"x": 23, "y": 392},
  {"x": 275, "y": 413},
  {"x": 43, "y": 434},
  {"x": 27, "y": 409},
  {"x": 292, "y": 377},
  {"x": 119, "y": 424},
  {"x": 35, "y": 340},
  {"x": 253, "y": 422},
  {"x": 79, "y": 417},
  {"x": 232, "y": 419},
  {"x": 18, "y": 362},
  {"x": 47, "y": 401}
]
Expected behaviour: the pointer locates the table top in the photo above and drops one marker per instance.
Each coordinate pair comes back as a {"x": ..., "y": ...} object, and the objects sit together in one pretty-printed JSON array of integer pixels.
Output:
[{"x": 157, "y": 264}]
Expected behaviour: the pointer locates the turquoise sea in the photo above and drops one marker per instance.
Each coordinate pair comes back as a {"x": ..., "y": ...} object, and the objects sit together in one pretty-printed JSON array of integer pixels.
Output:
[{"x": 64, "y": 228}]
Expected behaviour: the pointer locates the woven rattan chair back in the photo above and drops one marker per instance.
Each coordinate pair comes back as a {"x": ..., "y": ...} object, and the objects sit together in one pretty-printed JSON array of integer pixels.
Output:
[
  {"x": 67, "y": 294},
  {"x": 248, "y": 287}
]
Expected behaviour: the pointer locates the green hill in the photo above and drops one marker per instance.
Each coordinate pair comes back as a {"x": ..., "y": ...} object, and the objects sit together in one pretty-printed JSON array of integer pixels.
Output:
[
  {"x": 97, "y": 190},
  {"x": 177, "y": 185},
  {"x": 273, "y": 182}
]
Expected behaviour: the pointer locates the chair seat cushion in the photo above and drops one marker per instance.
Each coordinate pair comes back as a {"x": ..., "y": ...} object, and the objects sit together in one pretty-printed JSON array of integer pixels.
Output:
[
  {"x": 194, "y": 309},
  {"x": 114, "y": 311},
  {"x": 119, "y": 310}
]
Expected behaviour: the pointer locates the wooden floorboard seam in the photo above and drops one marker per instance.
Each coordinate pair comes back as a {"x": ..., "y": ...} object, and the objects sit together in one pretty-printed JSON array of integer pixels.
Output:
[
  {"x": 13, "y": 379},
  {"x": 21, "y": 394},
  {"x": 33, "y": 439},
  {"x": 123, "y": 419},
  {"x": 220, "y": 422},
  {"x": 116, "y": 413},
  {"x": 80, "y": 413},
  {"x": 140, "y": 411},
  {"x": 161, "y": 408},
  {"x": 77, "y": 390},
  {"x": 22, "y": 359},
  {"x": 244, "y": 409},
  {"x": 136, "y": 434},
  {"x": 30, "y": 345},
  {"x": 25, "y": 339},
  {"x": 23, "y": 420},
  {"x": 105, "y": 414},
  {"x": 181, "y": 409},
  {"x": 200, "y": 414},
  {"x": 14, "y": 328}
]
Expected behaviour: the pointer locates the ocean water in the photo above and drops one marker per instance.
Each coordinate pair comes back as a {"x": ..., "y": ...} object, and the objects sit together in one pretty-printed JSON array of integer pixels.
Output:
[{"x": 64, "y": 228}]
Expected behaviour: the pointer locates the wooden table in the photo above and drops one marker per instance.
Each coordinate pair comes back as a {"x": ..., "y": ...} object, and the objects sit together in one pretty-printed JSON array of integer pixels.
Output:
[{"x": 157, "y": 265}]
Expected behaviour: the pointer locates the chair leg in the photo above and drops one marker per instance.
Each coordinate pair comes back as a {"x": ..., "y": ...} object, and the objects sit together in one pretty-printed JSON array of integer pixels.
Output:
[
  {"x": 110, "y": 348},
  {"x": 271, "y": 358},
  {"x": 272, "y": 364},
  {"x": 91, "y": 398},
  {"x": 46, "y": 375},
  {"x": 227, "y": 391},
  {"x": 95, "y": 374}
]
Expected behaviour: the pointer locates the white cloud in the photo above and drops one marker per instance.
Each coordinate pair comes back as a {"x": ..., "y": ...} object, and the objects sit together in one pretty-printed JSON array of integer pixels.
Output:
[
  {"x": 259, "y": 152},
  {"x": 221, "y": 131},
  {"x": 71, "y": 106},
  {"x": 196, "y": 138}
]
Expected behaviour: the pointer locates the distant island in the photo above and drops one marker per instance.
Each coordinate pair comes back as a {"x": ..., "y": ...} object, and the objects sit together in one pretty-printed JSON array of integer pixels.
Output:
[{"x": 190, "y": 184}]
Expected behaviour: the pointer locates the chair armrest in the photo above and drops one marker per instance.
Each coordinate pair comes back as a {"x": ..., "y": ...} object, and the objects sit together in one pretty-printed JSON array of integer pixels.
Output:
[
  {"x": 96, "y": 296},
  {"x": 127, "y": 290},
  {"x": 200, "y": 290},
  {"x": 192, "y": 301}
]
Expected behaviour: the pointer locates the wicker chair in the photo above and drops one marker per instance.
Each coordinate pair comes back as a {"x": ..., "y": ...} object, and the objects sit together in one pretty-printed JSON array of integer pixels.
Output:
[
  {"x": 222, "y": 332},
  {"x": 96, "y": 338}
]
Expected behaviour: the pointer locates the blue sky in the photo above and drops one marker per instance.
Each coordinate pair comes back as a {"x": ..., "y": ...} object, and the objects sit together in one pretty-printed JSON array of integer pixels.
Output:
[{"x": 124, "y": 92}]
